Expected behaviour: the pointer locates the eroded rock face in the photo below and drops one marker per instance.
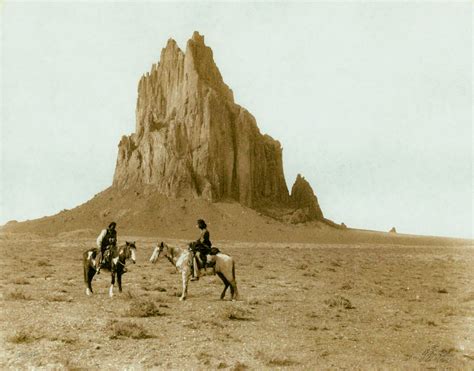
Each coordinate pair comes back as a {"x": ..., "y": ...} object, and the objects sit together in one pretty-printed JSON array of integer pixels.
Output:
[
  {"x": 304, "y": 200},
  {"x": 191, "y": 139}
]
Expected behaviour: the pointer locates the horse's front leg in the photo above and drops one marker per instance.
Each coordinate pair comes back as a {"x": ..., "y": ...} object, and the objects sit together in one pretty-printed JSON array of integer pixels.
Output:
[
  {"x": 90, "y": 276},
  {"x": 111, "y": 289},
  {"x": 185, "y": 277},
  {"x": 119, "y": 279}
]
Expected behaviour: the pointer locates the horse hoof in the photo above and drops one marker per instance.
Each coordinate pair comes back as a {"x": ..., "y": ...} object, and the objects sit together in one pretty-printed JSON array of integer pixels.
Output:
[
  {"x": 88, "y": 292},
  {"x": 182, "y": 299}
]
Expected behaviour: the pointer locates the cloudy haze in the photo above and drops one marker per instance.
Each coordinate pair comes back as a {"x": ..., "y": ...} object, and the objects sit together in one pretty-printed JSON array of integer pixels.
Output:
[{"x": 372, "y": 102}]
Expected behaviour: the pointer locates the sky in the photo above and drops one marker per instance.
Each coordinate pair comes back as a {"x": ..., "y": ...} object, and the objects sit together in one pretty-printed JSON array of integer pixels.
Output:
[{"x": 371, "y": 101}]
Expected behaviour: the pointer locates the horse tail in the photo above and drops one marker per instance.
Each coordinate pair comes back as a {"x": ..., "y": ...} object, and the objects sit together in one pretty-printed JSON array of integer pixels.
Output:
[
  {"x": 233, "y": 270},
  {"x": 85, "y": 263}
]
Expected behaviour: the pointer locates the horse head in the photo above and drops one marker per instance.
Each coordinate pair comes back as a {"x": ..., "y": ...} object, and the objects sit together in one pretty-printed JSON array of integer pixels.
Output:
[
  {"x": 130, "y": 251},
  {"x": 157, "y": 252}
]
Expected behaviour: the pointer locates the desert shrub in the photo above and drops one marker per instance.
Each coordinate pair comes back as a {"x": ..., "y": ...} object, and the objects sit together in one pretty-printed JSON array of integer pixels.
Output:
[
  {"x": 17, "y": 294},
  {"x": 44, "y": 263},
  {"x": 58, "y": 298},
  {"x": 346, "y": 286},
  {"x": 20, "y": 281},
  {"x": 275, "y": 361},
  {"x": 339, "y": 302},
  {"x": 143, "y": 308},
  {"x": 153, "y": 288},
  {"x": 469, "y": 297},
  {"x": 239, "y": 366},
  {"x": 285, "y": 361},
  {"x": 128, "y": 296},
  {"x": 22, "y": 336},
  {"x": 64, "y": 339},
  {"x": 235, "y": 314},
  {"x": 252, "y": 300},
  {"x": 127, "y": 330},
  {"x": 437, "y": 354}
]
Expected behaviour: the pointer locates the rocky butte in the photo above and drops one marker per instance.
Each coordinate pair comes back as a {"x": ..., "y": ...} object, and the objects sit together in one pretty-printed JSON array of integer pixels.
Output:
[{"x": 193, "y": 140}]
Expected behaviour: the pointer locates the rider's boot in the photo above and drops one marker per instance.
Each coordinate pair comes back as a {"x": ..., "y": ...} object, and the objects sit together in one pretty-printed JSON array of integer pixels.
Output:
[{"x": 195, "y": 269}]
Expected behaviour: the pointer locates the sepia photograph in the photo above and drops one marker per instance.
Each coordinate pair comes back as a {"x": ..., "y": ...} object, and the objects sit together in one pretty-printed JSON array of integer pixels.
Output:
[{"x": 236, "y": 185}]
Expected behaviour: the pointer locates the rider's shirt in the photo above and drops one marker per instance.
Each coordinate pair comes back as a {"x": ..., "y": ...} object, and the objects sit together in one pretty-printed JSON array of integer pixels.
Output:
[{"x": 204, "y": 238}]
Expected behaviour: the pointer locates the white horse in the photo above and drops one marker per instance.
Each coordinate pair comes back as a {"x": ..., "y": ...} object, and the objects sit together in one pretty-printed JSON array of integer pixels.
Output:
[{"x": 181, "y": 259}]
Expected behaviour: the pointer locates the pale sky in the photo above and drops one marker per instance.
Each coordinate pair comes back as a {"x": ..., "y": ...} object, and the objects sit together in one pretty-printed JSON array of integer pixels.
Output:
[{"x": 372, "y": 102}]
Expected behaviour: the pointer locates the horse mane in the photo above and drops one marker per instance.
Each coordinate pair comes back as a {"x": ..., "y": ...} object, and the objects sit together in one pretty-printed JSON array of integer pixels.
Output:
[{"x": 173, "y": 252}]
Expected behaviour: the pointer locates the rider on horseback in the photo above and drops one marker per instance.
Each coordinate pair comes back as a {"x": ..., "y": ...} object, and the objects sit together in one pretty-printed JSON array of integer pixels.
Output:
[
  {"x": 106, "y": 240},
  {"x": 200, "y": 248}
]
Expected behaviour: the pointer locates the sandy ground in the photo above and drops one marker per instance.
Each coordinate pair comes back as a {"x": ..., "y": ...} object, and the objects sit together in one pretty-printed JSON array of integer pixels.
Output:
[{"x": 311, "y": 306}]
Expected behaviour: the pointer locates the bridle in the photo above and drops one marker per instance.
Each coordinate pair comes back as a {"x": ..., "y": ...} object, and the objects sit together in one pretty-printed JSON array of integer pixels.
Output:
[
  {"x": 127, "y": 255},
  {"x": 160, "y": 250}
]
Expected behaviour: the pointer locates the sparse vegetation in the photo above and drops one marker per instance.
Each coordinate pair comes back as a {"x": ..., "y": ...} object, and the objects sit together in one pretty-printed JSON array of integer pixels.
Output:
[
  {"x": 125, "y": 329},
  {"x": 275, "y": 361},
  {"x": 23, "y": 336},
  {"x": 44, "y": 263},
  {"x": 143, "y": 308},
  {"x": 59, "y": 298},
  {"x": 235, "y": 314},
  {"x": 339, "y": 302},
  {"x": 18, "y": 294},
  {"x": 20, "y": 281},
  {"x": 295, "y": 320}
]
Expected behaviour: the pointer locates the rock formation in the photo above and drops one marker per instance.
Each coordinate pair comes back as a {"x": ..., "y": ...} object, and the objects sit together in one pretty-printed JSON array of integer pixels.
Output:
[
  {"x": 303, "y": 197},
  {"x": 192, "y": 139}
]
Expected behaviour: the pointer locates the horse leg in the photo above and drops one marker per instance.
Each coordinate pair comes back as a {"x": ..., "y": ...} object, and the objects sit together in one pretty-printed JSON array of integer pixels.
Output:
[
  {"x": 119, "y": 279},
  {"x": 88, "y": 270},
  {"x": 86, "y": 277},
  {"x": 226, "y": 283},
  {"x": 185, "y": 278},
  {"x": 90, "y": 276},
  {"x": 111, "y": 289},
  {"x": 234, "y": 291},
  {"x": 233, "y": 284}
]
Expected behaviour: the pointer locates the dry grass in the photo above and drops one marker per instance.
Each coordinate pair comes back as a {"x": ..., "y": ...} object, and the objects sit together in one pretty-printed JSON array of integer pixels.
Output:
[
  {"x": 23, "y": 336},
  {"x": 17, "y": 294},
  {"x": 125, "y": 329},
  {"x": 143, "y": 308},
  {"x": 20, "y": 281},
  {"x": 333, "y": 306},
  {"x": 339, "y": 302}
]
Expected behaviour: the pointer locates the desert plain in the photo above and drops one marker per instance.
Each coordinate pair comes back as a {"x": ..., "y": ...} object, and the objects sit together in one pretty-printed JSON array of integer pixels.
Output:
[{"x": 361, "y": 305}]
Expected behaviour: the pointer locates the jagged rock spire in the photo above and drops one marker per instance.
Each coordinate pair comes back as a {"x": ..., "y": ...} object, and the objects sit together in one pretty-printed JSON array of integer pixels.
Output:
[
  {"x": 192, "y": 139},
  {"x": 303, "y": 197}
]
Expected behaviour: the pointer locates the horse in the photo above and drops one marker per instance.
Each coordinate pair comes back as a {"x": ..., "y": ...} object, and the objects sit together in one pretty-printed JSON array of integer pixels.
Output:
[
  {"x": 224, "y": 267},
  {"x": 115, "y": 264}
]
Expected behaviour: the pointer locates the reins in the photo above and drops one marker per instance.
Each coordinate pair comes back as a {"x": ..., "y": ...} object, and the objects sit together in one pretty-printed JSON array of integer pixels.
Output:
[{"x": 119, "y": 262}]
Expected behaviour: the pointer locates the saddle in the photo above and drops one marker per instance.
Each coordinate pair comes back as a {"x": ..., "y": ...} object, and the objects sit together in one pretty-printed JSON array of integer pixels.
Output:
[
  {"x": 202, "y": 261},
  {"x": 106, "y": 257}
]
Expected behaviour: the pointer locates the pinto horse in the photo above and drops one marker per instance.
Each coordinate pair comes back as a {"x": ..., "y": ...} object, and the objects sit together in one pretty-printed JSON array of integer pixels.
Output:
[
  {"x": 181, "y": 259},
  {"x": 115, "y": 264}
]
